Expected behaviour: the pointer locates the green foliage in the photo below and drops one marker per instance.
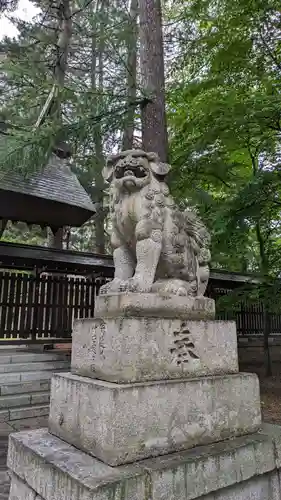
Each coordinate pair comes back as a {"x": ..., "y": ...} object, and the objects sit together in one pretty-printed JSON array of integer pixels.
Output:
[
  {"x": 223, "y": 100},
  {"x": 21, "y": 233},
  {"x": 224, "y": 106},
  {"x": 92, "y": 101},
  {"x": 94, "y": 94},
  {"x": 225, "y": 118},
  {"x": 8, "y": 5}
]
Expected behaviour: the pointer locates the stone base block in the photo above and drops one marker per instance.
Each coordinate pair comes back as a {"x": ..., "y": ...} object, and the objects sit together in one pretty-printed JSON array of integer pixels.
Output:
[
  {"x": 152, "y": 348},
  {"x": 154, "y": 305},
  {"x": 245, "y": 468},
  {"x": 123, "y": 423}
]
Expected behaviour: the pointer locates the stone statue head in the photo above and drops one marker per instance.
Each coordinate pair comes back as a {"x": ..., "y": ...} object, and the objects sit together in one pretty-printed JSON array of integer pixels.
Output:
[{"x": 133, "y": 169}]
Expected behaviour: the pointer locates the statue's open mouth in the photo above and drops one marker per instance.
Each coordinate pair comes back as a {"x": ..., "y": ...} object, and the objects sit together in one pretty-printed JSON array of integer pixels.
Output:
[{"x": 130, "y": 171}]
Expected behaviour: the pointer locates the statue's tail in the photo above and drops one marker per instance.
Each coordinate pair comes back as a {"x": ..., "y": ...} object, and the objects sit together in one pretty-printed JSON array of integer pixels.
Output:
[{"x": 197, "y": 230}]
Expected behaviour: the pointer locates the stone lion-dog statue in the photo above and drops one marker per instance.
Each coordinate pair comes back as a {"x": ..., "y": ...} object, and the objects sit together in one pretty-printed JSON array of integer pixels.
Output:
[{"x": 156, "y": 247}]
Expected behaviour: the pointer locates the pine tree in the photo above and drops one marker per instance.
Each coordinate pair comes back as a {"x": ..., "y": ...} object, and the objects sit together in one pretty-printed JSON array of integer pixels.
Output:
[
  {"x": 154, "y": 128},
  {"x": 8, "y": 5},
  {"x": 90, "y": 106}
]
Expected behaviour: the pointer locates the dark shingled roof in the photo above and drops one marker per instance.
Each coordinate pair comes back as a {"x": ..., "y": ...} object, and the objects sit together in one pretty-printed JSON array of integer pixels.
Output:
[
  {"x": 53, "y": 197},
  {"x": 56, "y": 182}
]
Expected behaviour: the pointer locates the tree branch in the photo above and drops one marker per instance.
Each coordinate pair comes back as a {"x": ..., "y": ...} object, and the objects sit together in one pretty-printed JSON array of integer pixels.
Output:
[{"x": 82, "y": 9}]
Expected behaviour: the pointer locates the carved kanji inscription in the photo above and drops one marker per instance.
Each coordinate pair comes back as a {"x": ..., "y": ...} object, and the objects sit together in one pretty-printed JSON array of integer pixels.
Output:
[{"x": 183, "y": 349}]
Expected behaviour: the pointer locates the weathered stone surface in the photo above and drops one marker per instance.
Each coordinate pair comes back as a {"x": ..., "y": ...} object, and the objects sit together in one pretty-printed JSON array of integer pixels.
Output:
[
  {"x": 25, "y": 387},
  {"x": 29, "y": 423},
  {"x": 156, "y": 247},
  {"x": 21, "y": 491},
  {"x": 154, "y": 305},
  {"x": 123, "y": 423},
  {"x": 28, "y": 412},
  {"x": 139, "y": 349},
  {"x": 273, "y": 431},
  {"x": 14, "y": 400},
  {"x": 4, "y": 416},
  {"x": 244, "y": 468},
  {"x": 262, "y": 488},
  {"x": 40, "y": 366}
]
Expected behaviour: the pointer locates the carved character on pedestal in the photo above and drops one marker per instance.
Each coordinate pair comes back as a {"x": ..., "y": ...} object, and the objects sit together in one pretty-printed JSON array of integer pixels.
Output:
[{"x": 156, "y": 247}]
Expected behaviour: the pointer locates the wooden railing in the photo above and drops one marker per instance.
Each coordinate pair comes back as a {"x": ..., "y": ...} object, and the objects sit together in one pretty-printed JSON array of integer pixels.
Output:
[
  {"x": 42, "y": 308},
  {"x": 43, "y": 290}
]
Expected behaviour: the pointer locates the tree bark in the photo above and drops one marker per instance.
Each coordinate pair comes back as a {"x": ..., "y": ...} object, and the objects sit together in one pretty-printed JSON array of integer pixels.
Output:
[
  {"x": 97, "y": 55},
  {"x": 154, "y": 125},
  {"x": 266, "y": 334},
  {"x": 264, "y": 269},
  {"x": 64, "y": 27},
  {"x": 56, "y": 238},
  {"x": 63, "y": 43},
  {"x": 3, "y": 225},
  {"x": 128, "y": 136},
  {"x": 266, "y": 307}
]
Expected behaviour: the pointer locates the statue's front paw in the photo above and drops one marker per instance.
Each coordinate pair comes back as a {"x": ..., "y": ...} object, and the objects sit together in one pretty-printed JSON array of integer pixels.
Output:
[
  {"x": 175, "y": 289},
  {"x": 134, "y": 285},
  {"x": 110, "y": 287}
]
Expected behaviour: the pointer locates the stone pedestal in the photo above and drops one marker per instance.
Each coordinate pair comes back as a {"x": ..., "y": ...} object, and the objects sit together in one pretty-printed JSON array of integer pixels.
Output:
[
  {"x": 155, "y": 385},
  {"x": 136, "y": 349},
  {"x": 246, "y": 468},
  {"x": 124, "y": 423},
  {"x": 141, "y": 337}
]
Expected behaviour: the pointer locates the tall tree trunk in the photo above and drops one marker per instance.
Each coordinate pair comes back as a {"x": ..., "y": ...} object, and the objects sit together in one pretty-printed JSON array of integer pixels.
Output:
[
  {"x": 97, "y": 55},
  {"x": 264, "y": 269},
  {"x": 55, "y": 238},
  {"x": 60, "y": 9},
  {"x": 3, "y": 225},
  {"x": 266, "y": 334},
  {"x": 128, "y": 136},
  {"x": 154, "y": 125},
  {"x": 266, "y": 306}
]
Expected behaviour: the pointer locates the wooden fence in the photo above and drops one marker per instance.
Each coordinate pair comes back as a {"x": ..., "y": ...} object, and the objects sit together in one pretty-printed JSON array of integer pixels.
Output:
[
  {"x": 42, "y": 308},
  {"x": 249, "y": 317}
]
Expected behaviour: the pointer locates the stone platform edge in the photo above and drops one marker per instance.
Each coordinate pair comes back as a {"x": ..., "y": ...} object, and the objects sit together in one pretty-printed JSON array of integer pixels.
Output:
[
  {"x": 154, "y": 305},
  {"x": 49, "y": 467},
  {"x": 123, "y": 423}
]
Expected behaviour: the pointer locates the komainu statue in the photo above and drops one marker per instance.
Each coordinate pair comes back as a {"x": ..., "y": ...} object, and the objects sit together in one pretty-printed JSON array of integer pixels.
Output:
[{"x": 156, "y": 247}]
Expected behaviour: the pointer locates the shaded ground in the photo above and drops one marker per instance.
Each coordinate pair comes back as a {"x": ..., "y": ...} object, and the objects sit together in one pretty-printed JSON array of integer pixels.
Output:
[
  {"x": 271, "y": 407},
  {"x": 271, "y": 399},
  {"x": 270, "y": 388}
]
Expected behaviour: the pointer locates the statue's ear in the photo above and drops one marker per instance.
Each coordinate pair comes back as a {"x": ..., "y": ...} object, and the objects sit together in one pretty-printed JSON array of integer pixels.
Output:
[
  {"x": 160, "y": 168},
  {"x": 107, "y": 172},
  {"x": 152, "y": 157}
]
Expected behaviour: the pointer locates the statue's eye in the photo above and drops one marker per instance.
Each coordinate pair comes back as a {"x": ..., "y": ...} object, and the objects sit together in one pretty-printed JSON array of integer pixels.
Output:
[
  {"x": 118, "y": 172},
  {"x": 141, "y": 172}
]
